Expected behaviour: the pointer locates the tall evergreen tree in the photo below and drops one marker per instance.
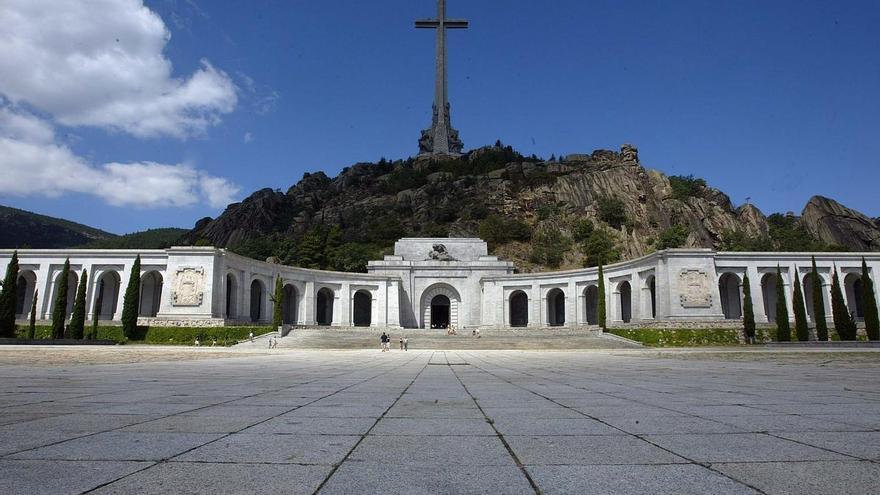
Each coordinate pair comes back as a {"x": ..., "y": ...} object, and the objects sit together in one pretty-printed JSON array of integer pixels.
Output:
[
  {"x": 783, "y": 327},
  {"x": 819, "y": 305},
  {"x": 843, "y": 322},
  {"x": 748, "y": 310},
  {"x": 59, "y": 312},
  {"x": 32, "y": 327},
  {"x": 801, "y": 329},
  {"x": 131, "y": 301},
  {"x": 8, "y": 298},
  {"x": 869, "y": 304},
  {"x": 78, "y": 318},
  {"x": 96, "y": 314},
  {"x": 601, "y": 309},
  {"x": 278, "y": 303}
]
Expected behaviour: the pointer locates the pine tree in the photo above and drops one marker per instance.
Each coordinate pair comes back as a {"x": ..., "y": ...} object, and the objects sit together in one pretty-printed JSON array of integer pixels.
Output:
[
  {"x": 132, "y": 298},
  {"x": 601, "y": 309},
  {"x": 819, "y": 305},
  {"x": 8, "y": 297},
  {"x": 801, "y": 329},
  {"x": 869, "y": 303},
  {"x": 278, "y": 303},
  {"x": 32, "y": 327},
  {"x": 843, "y": 322},
  {"x": 783, "y": 328},
  {"x": 748, "y": 310},
  {"x": 78, "y": 318},
  {"x": 59, "y": 312}
]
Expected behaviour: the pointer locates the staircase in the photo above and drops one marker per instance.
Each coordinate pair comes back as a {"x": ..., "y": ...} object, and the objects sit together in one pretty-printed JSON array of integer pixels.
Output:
[{"x": 564, "y": 338}]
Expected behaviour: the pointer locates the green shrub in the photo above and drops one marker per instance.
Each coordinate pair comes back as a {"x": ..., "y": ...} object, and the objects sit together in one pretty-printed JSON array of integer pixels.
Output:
[
  {"x": 549, "y": 247},
  {"x": 497, "y": 230},
  {"x": 186, "y": 336},
  {"x": 600, "y": 247},
  {"x": 673, "y": 237},
  {"x": 677, "y": 337},
  {"x": 686, "y": 186},
  {"x": 612, "y": 211}
]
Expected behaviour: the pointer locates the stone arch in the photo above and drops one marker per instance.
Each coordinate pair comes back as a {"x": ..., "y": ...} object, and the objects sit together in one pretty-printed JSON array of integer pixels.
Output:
[
  {"x": 25, "y": 287},
  {"x": 651, "y": 290},
  {"x": 72, "y": 283},
  {"x": 519, "y": 309},
  {"x": 556, "y": 307},
  {"x": 625, "y": 291},
  {"x": 324, "y": 307},
  {"x": 291, "y": 303},
  {"x": 258, "y": 295},
  {"x": 591, "y": 305},
  {"x": 431, "y": 300},
  {"x": 363, "y": 308},
  {"x": 107, "y": 290},
  {"x": 730, "y": 288},
  {"x": 768, "y": 292},
  {"x": 854, "y": 293},
  {"x": 231, "y": 296},
  {"x": 151, "y": 294}
]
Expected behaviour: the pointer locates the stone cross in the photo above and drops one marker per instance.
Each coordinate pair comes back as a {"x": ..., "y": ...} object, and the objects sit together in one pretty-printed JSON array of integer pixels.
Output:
[{"x": 441, "y": 138}]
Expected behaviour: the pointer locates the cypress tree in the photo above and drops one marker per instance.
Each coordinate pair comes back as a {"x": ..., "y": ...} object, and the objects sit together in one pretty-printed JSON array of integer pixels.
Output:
[
  {"x": 783, "y": 328},
  {"x": 843, "y": 322},
  {"x": 8, "y": 297},
  {"x": 93, "y": 332},
  {"x": 59, "y": 312},
  {"x": 278, "y": 303},
  {"x": 800, "y": 311},
  {"x": 819, "y": 305},
  {"x": 78, "y": 318},
  {"x": 869, "y": 303},
  {"x": 32, "y": 327},
  {"x": 601, "y": 309},
  {"x": 748, "y": 310},
  {"x": 132, "y": 298}
]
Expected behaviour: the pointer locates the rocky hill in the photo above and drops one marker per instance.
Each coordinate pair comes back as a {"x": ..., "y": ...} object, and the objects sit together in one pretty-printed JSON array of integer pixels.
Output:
[{"x": 560, "y": 213}]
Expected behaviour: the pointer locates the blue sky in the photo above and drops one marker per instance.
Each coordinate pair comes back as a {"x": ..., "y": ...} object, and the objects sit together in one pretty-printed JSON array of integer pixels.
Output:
[{"x": 772, "y": 100}]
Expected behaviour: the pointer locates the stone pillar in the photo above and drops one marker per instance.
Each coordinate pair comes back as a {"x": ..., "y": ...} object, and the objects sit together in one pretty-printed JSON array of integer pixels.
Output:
[
  {"x": 344, "y": 299},
  {"x": 309, "y": 304},
  {"x": 571, "y": 306},
  {"x": 536, "y": 315},
  {"x": 757, "y": 295},
  {"x": 393, "y": 301},
  {"x": 124, "y": 278}
]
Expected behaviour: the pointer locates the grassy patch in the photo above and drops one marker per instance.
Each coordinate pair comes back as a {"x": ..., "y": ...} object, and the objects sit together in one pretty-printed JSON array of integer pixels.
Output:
[
  {"x": 680, "y": 337},
  {"x": 225, "y": 336}
]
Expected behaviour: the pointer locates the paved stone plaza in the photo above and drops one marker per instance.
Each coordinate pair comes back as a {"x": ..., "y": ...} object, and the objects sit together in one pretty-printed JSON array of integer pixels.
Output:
[{"x": 443, "y": 422}]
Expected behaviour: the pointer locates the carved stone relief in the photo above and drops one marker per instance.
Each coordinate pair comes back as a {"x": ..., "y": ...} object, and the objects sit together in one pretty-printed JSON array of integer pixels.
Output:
[
  {"x": 694, "y": 289},
  {"x": 188, "y": 288}
]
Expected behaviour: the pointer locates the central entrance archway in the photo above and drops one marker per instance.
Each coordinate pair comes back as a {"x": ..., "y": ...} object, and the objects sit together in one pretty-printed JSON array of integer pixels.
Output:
[
  {"x": 556, "y": 308},
  {"x": 440, "y": 307}
]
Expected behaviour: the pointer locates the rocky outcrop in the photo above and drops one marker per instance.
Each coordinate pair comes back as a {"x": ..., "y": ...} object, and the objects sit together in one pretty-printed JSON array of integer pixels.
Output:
[{"x": 833, "y": 223}]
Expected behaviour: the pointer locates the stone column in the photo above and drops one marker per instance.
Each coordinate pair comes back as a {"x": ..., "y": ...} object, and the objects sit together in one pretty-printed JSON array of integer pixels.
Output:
[
  {"x": 757, "y": 295},
  {"x": 571, "y": 306},
  {"x": 536, "y": 315},
  {"x": 244, "y": 313},
  {"x": 308, "y": 300},
  {"x": 345, "y": 306}
]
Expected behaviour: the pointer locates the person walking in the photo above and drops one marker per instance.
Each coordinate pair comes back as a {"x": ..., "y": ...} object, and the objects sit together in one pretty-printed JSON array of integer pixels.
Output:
[
  {"x": 401, "y": 343},
  {"x": 405, "y": 343},
  {"x": 384, "y": 340}
]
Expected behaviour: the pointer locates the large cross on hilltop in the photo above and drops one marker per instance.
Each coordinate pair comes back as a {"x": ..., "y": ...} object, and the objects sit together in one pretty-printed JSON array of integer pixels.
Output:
[{"x": 441, "y": 138}]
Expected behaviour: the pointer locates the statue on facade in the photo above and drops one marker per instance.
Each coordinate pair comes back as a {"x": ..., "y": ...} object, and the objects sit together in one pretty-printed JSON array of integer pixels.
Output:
[{"x": 439, "y": 253}]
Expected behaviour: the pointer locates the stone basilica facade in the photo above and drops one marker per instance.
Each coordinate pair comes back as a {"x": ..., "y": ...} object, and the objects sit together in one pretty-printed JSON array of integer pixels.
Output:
[{"x": 433, "y": 283}]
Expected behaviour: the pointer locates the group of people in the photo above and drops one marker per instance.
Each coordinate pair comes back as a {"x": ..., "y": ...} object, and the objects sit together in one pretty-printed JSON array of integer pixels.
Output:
[{"x": 386, "y": 342}]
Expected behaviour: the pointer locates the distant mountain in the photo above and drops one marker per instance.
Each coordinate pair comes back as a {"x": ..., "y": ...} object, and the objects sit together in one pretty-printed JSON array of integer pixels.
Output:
[
  {"x": 25, "y": 229},
  {"x": 21, "y": 229},
  {"x": 148, "y": 239}
]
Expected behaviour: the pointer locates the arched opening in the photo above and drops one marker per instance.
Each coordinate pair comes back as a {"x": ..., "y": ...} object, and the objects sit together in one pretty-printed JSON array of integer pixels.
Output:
[
  {"x": 25, "y": 287},
  {"x": 556, "y": 308},
  {"x": 854, "y": 294},
  {"x": 363, "y": 308},
  {"x": 72, "y": 282},
  {"x": 625, "y": 291},
  {"x": 440, "y": 306},
  {"x": 324, "y": 307},
  {"x": 288, "y": 309},
  {"x": 151, "y": 294},
  {"x": 519, "y": 309},
  {"x": 652, "y": 295},
  {"x": 107, "y": 295},
  {"x": 808, "y": 295},
  {"x": 768, "y": 291},
  {"x": 591, "y": 305},
  {"x": 258, "y": 291},
  {"x": 231, "y": 296},
  {"x": 731, "y": 299}
]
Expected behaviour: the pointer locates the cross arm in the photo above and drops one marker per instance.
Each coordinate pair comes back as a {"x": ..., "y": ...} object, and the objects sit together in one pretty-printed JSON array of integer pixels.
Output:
[
  {"x": 448, "y": 24},
  {"x": 427, "y": 24},
  {"x": 456, "y": 24}
]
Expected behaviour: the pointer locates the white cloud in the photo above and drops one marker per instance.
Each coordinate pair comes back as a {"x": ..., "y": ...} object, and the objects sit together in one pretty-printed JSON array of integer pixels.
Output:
[
  {"x": 248, "y": 138},
  {"x": 34, "y": 164},
  {"x": 100, "y": 63}
]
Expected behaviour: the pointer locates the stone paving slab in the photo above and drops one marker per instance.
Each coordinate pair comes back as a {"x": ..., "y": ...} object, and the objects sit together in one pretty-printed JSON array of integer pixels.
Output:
[
  {"x": 284, "y": 449},
  {"x": 863, "y": 444},
  {"x": 433, "y": 451},
  {"x": 197, "y": 478},
  {"x": 582, "y": 450},
  {"x": 807, "y": 478},
  {"x": 671, "y": 479},
  {"x": 121, "y": 446},
  {"x": 433, "y": 427},
  {"x": 29, "y": 477},
  {"x": 395, "y": 479},
  {"x": 740, "y": 447}
]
